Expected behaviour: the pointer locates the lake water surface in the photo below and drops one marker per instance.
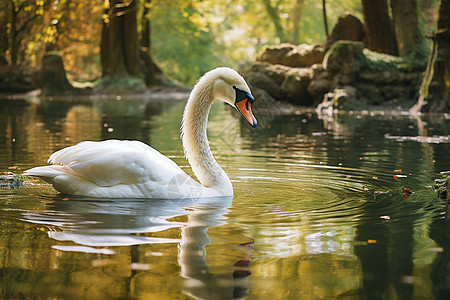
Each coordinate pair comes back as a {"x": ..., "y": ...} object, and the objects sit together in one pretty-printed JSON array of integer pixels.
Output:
[{"x": 322, "y": 208}]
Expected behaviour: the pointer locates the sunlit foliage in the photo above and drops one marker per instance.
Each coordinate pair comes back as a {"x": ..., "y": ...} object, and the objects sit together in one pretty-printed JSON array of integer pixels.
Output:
[
  {"x": 182, "y": 41},
  {"x": 69, "y": 26},
  {"x": 188, "y": 37}
]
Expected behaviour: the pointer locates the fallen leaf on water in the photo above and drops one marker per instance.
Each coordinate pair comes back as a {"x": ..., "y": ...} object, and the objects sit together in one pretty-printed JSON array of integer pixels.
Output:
[{"x": 406, "y": 194}]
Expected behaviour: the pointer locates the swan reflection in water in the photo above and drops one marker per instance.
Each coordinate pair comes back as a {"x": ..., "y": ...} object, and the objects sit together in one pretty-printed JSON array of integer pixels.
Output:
[{"x": 98, "y": 225}]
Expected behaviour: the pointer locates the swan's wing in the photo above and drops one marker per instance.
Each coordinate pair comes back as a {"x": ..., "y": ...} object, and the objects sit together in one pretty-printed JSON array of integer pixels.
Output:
[{"x": 114, "y": 162}]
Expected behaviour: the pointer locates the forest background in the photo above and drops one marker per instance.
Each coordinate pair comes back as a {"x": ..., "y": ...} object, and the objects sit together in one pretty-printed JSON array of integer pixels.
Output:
[{"x": 181, "y": 38}]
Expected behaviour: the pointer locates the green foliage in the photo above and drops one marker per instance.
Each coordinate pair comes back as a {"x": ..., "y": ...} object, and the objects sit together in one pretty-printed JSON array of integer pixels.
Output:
[
  {"x": 188, "y": 37},
  {"x": 182, "y": 42}
]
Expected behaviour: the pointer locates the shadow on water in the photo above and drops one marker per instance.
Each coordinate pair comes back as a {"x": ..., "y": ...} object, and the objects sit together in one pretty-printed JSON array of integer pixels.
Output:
[{"x": 83, "y": 225}]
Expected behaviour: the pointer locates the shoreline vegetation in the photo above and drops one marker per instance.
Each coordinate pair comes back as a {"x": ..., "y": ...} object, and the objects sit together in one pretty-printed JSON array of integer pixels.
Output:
[{"x": 339, "y": 74}]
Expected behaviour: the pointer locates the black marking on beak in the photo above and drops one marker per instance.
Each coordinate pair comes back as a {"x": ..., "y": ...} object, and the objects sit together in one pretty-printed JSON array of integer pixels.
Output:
[{"x": 241, "y": 95}]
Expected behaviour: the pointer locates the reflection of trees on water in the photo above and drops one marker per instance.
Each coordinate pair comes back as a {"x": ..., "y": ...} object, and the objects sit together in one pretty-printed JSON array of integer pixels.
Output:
[
  {"x": 14, "y": 116},
  {"x": 385, "y": 247},
  {"x": 140, "y": 233},
  {"x": 200, "y": 282},
  {"x": 30, "y": 131},
  {"x": 440, "y": 274},
  {"x": 358, "y": 141}
]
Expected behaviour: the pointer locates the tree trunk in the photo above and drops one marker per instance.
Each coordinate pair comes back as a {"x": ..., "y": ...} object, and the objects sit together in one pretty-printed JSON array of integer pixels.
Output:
[
  {"x": 274, "y": 15},
  {"x": 379, "y": 29},
  {"x": 152, "y": 73},
  {"x": 120, "y": 45},
  {"x": 296, "y": 22},
  {"x": 4, "y": 38},
  {"x": 434, "y": 94},
  {"x": 13, "y": 34},
  {"x": 325, "y": 21},
  {"x": 405, "y": 19}
]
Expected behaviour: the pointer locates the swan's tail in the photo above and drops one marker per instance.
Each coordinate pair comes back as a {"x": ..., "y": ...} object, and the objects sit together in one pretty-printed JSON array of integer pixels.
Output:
[
  {"x": 48, "y": 173},
  {"x": 63, "y": 179}
]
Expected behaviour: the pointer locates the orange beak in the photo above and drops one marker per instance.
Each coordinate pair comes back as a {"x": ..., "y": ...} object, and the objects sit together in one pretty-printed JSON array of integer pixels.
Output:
[{"x": 245, "y": 108}]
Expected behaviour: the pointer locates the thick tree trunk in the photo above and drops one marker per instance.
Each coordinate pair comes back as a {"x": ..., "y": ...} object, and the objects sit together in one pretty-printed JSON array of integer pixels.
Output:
[
  {"x": 379, "y": 29},
  {"x": 120, "y": 45},
  {"x": 405, "y": 19},
  {"x": 434, "y": 94}
]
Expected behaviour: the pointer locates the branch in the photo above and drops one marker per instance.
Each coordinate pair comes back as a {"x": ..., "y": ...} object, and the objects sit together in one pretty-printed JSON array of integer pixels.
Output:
[{"x": 24, "y": 24}]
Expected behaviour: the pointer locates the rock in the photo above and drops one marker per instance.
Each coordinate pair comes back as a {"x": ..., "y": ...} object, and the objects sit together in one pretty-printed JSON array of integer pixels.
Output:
[
  {"x": 348, "y": 27},
  {"x": 293, "y": 56},
  {"x": 345, "y": 98},
  {"x": 350, "y": 78},
  {"x": 320, "y": 83},
  {"x": 371, "y": 92},
  {"x": 341, "y": 63},
  {"x": 377, "y": 79},
  {"x": 442, "y": 188},
  {"x": 295, "y": 86},
  {"x": 267, "y": 77},
  {"x": 281, "y": 82},
  {"x": 10, "y": 180}
]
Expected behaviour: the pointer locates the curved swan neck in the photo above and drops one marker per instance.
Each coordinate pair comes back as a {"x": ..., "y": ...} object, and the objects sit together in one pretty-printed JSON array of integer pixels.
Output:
[{"x": 194, "y": 137}]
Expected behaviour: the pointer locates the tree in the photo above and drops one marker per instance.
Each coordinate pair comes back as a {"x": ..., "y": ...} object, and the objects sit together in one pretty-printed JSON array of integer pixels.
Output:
[
  {"x": 274, "y": 15},
  {"x": 21, "y": 18},
  {"x": 406, "y": 24},
  {"x": 379, "y": 29},
  {"x": 152, "y": 73},
  {"x": 125, "y": 50},
  {"x": 325, "y": 21},
  {"x": 120, "y": 44},
  {"x": 434, "y": 93}
]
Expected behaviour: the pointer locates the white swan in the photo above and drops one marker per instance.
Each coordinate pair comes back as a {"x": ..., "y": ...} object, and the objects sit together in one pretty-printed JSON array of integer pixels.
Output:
[{"x": 132, "y": 169}]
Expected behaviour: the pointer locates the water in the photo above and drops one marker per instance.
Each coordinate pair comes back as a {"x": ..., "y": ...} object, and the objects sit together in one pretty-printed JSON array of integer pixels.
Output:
[{"x": 319, "y": 211}]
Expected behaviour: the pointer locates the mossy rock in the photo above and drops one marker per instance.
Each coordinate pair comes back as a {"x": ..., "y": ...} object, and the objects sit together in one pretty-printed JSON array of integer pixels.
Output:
[
  {"x": 382, "y": 62},
  {"x": 11, "y": 181},
  {"x": 442, "y": 187},
  {"x": 122, "y": 85}
]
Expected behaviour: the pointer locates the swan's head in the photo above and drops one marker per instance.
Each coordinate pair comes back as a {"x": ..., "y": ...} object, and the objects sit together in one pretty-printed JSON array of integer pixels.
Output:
[{"x": 231, "y": 88}]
